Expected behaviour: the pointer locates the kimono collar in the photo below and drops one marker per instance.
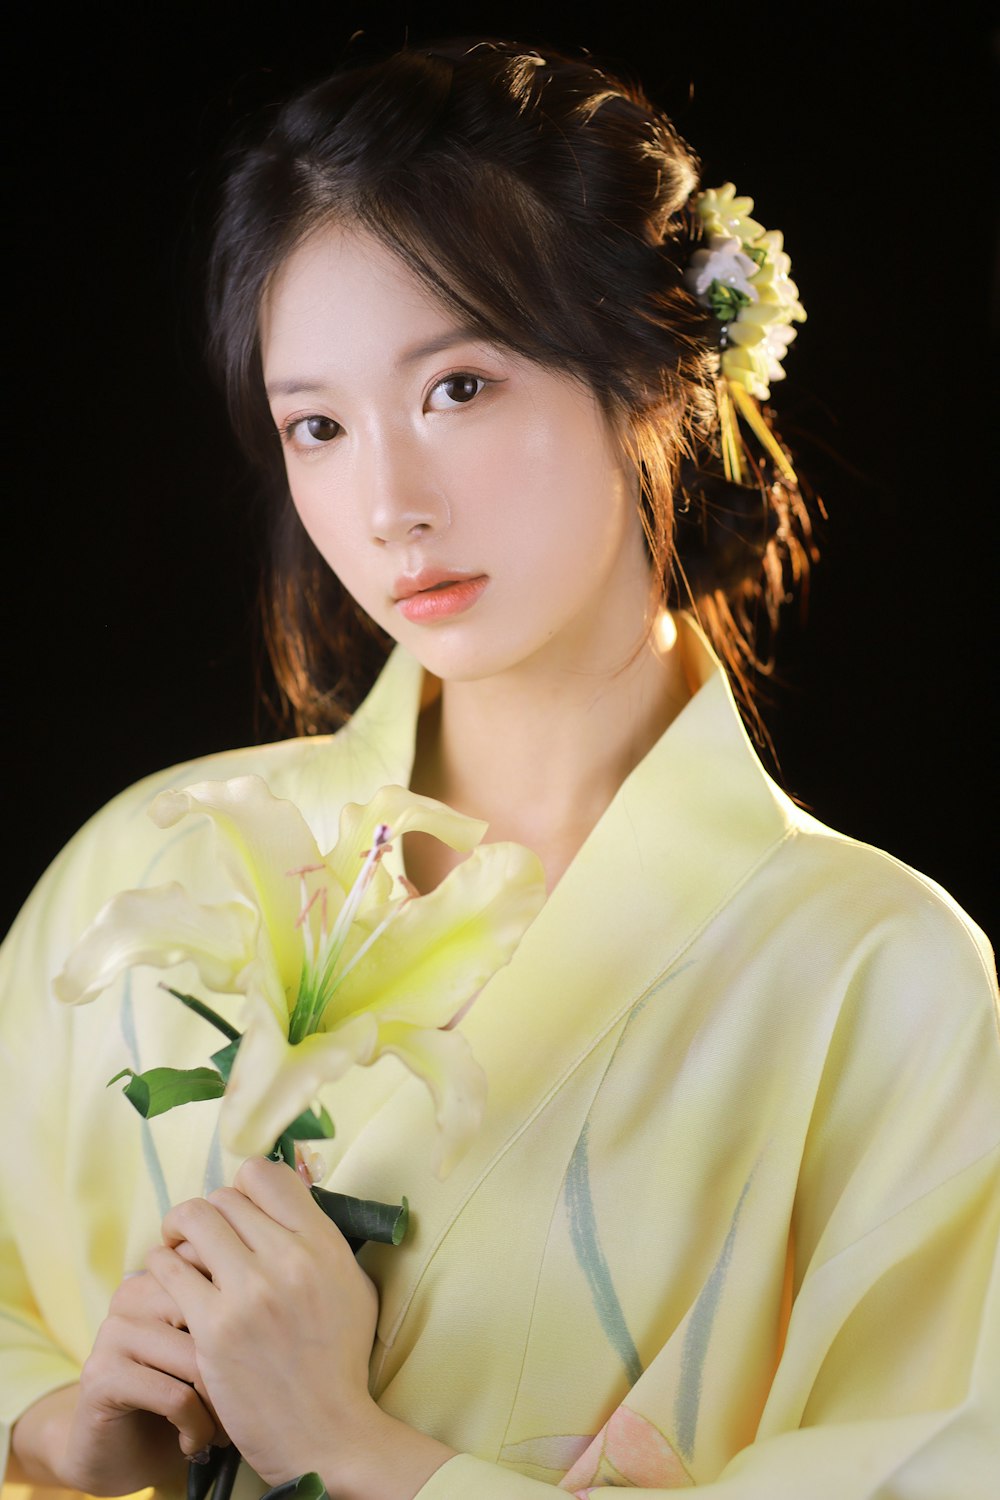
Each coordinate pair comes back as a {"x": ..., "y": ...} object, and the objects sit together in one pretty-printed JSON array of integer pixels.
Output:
[
  {"x": 690, "y": 824},
  {"x": 377, "y": 746}
]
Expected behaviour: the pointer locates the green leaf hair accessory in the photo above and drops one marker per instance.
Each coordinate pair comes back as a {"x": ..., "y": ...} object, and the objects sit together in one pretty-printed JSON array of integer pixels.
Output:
[{"x": 742, "y": 274}]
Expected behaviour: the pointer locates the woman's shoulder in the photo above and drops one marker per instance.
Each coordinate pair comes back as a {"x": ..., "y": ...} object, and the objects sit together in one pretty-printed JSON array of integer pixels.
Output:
[
  {"x": 882, "y": 915},
  {"x": 120, "y": 847},
  {"x": 835, "y": 896},
  {"x": 906, "y": 1080}
]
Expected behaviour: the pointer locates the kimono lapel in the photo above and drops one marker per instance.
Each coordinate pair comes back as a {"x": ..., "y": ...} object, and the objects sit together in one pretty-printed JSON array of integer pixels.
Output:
[
  {"x": 690, "y": 824},
  {"x": 374, "y": 749}
]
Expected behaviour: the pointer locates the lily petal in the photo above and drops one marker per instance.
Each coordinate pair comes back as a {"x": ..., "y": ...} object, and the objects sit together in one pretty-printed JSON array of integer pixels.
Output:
[
  {"x": 444, "y": 1061},
  {"x": 404, "y": 812},
  {"x": 444, "y": 946},
  {"x": 161, "y": 927},
  {"x": 272, "y": 1082},
  {"x": 262, "y": 839}
]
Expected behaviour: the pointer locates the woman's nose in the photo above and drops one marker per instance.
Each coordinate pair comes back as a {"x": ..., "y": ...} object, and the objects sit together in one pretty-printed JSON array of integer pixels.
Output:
[{"x": 404, "y": 501}]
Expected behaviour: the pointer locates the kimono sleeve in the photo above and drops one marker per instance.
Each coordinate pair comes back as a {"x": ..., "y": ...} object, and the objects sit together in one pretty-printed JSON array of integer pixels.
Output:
[
  {"x": 48, "y": 1286},
  {"x": 888, "y": 1384}
]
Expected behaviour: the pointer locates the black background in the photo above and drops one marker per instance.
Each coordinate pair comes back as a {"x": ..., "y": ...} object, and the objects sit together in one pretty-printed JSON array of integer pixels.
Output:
[{"x": 130, "y": 566}]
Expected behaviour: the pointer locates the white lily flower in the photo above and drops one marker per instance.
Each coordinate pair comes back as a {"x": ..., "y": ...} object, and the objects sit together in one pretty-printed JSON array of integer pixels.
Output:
[{"x": 338, "y": 966}]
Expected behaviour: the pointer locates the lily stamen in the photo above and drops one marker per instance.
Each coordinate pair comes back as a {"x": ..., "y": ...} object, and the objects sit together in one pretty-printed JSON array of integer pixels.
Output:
[
  {"x": 319, "y": 976},
  {"x": 369, "y": 941},
  {"x": 349, "y": 910},
  {"x": 303, "y": 914}
]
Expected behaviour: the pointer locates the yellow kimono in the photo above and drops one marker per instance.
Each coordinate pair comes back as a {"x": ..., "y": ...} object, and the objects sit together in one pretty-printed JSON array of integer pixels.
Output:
[{"x": 732, "y": 1218}]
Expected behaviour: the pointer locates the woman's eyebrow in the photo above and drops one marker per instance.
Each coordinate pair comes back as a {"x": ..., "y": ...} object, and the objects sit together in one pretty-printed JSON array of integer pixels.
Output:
[
  {"x": 446, "y": 340},
  {"x": 309, "y": 386},
  {"x": 293, "y": 387}
]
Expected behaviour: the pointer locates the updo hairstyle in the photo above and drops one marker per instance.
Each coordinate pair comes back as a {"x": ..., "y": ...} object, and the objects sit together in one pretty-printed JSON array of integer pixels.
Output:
[{"x": 546, "y": 205}]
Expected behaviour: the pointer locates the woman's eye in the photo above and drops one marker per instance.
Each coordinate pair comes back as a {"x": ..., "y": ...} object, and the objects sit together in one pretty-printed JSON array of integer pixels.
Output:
[
  {"x": 458, "y": 390},
  {"x": 311, "y": 432}
]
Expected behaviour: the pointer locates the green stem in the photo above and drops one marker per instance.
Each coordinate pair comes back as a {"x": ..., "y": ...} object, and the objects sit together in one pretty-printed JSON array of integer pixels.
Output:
[{"x": 205, "y": 1011}]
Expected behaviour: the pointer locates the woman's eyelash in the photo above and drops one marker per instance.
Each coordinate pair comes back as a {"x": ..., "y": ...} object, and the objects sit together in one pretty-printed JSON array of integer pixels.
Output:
[
  {"x": 289, "y": 433},
  {"x": 466, "y": 375}
]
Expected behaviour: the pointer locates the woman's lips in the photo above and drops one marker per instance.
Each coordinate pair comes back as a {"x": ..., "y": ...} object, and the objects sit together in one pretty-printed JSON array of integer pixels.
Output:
[{"x": 438, "y": 600}]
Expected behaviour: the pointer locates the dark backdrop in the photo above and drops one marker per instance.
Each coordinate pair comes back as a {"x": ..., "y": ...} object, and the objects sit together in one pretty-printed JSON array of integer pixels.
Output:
[{"x": 130, "y": 570}]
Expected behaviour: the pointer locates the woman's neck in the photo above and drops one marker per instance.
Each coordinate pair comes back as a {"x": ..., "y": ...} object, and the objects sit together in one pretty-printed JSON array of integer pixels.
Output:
[{"x": 539, "y": 756}]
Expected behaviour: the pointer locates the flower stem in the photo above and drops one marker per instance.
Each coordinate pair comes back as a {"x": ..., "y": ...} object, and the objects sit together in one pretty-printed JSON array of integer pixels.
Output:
[
  {"x": 205, "y": 1011},
  {"x": 218, "y": 1475},
  {"x": 360, "y": 1219}
]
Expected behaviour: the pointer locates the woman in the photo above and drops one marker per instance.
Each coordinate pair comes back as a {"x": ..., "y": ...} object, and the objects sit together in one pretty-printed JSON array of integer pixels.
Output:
[{"x": 731, "y": 1216}]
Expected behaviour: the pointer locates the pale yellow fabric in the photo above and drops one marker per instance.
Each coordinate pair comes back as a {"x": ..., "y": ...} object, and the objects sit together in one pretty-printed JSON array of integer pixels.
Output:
[{"x": 735, "y": 1203}]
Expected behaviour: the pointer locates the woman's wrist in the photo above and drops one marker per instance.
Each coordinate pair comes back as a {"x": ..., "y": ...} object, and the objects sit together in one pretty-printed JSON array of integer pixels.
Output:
[
  {"x": 384, "y": 1459},
  {"x": 56, "y": 1443},
  {"x": 38, "y": 1439}
]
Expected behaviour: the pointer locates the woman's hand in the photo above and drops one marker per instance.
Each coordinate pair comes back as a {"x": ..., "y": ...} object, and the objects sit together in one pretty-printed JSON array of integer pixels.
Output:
[
  {"x": 135, "y": 1411},
  {"x": 282, "y": 1317}
]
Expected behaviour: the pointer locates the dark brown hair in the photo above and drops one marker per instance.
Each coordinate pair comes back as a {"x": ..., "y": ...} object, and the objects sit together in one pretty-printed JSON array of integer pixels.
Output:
[{"x": 546, "y": 203}]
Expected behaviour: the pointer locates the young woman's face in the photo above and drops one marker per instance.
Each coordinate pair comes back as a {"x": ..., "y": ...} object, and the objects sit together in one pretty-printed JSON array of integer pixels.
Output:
[{"x": 476, "y": 505}]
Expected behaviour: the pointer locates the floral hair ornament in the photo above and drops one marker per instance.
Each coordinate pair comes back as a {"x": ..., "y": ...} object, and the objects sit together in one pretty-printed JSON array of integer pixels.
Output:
[{"x": 742, "y": 274}]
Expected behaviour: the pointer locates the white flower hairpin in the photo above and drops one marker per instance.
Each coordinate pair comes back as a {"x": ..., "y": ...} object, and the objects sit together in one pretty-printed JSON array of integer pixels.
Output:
[{"x": 742, "y": 273}]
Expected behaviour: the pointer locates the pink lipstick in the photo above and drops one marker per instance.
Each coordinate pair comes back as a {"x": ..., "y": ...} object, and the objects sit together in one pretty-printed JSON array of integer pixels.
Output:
[{"x": 433, "y": 594}]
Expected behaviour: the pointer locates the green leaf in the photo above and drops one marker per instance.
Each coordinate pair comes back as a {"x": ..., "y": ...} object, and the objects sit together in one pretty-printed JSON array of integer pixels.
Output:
[
  {"x": 310, "y": 1487},
  {"x": 402, "y": 1223},
  {"x": 726, "y": 301},
  {"x": 360, "y": 1219},
  {"x": 309, "y": 1126},
  {"x": 159, "y": 1089},
  {"x": 306, "y": 1487},
  {"x": 226, "y": 1056},
  {"x": 205, "y": 1011}
]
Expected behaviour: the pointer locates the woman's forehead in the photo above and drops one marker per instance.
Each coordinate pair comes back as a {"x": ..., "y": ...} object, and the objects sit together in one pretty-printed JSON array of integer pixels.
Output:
[{"x": 344, "y": 283}]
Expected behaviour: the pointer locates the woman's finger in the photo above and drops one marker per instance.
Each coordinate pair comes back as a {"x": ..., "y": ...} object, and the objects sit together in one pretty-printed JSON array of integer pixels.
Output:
[
  {"x": 194, "y": 1293},
  {"x": 150, "y": 1342},
  {"x": 141, "y": 1296},
  {"x": 187, "y": 1252},
  {"x": 280, "y": 1192},
  {"x": 258, "y": 1230},
  {"x": 114, "y": 1385},
  {"x": 218, "y": 1249}
]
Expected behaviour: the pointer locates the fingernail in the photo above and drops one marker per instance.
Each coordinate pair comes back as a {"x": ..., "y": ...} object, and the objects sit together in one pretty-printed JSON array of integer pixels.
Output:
[
  {"x": 202, "y": 1456},
  {"x": 308, "y": 1164}
]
